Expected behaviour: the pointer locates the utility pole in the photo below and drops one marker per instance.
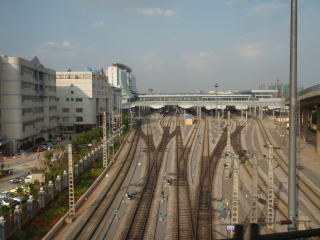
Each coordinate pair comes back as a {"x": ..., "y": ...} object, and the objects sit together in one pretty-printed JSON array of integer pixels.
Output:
[
  {"x": 270, "y": 195},
  {"x": 216, "y": 90},
  {"x": 254, "y": 193},
  {"x": 235, "y": 195},
  {"x": 292, "y": 188},
  {"x": 218, "y": 127},
  {"x": 229, "y": 133},
  {"x": 227, "y": 162},
  {"x": 227, "y": 166},
  {"x": 72, "y": 211},
  {"x": 104, "y": 141}
]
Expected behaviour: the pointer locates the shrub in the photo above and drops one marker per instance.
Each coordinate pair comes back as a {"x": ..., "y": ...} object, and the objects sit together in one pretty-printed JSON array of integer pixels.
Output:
[
  {"x": 26, "y": 145},
  {"x": 39, "y": 140}
]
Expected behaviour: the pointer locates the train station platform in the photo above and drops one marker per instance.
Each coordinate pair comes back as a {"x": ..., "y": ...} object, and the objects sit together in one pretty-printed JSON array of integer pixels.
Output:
[{"x": 308, "y": 161}]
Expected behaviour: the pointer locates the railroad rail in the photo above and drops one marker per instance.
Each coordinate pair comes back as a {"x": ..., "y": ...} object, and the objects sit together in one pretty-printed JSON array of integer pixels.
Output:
[
  {"x": 237, "y": 146},
  {"x": 138, "y": 219},
  {"x": 203, "y": 223},
  {"x": 308, "y": 191},
  {"x": 91, "y": 224},
  {"x": 185, "y": 223}
]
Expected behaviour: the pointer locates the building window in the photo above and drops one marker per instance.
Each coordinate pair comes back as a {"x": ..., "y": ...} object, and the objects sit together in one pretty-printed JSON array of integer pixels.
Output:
[
  {"x": 60, "y": 76},
  {"x": 71, "y": 85},
  {"x": 72, "y": 92},
  {"x": 79, "y": 119},
  {"x": 71, "y": 99},
  {"x": 79, "y": 110},
  {"x": 65, "y": 119},
  {"x": 67, "y": 99},
  {"x": 78, "y": 99},
  {"x": 65, "y": 109}
]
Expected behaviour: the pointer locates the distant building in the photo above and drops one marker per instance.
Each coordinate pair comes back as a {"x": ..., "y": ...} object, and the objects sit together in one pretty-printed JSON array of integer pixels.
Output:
[
  {"x": 28, "y": 102},
  {"x": 282, "y": 90},
  {"x": 121, "y": 76},
  {"x": 83, "y": 97}
]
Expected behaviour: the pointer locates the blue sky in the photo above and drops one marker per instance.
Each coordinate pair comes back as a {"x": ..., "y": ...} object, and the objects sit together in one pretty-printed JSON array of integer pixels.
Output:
[{"x": 171, "y": 45}]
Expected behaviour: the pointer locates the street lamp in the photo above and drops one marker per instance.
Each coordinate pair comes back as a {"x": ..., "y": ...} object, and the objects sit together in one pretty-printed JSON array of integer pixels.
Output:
[{"x": 216, "y": 91}]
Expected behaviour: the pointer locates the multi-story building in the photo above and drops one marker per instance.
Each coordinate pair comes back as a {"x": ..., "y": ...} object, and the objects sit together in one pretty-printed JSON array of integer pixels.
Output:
[
  {"x": 121, "y": 76},
  {"x": 83, "y": 97},
  {"x": 28, "y": 102}
]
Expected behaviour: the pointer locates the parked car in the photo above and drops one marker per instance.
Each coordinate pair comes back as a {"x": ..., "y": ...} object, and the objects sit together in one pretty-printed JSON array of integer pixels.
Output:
[
  {"x": 23, "y": 189},
  {"x": 49, "y": 146},
  {"x": 14, "y": 180},
  {"x": 7, "y": 202},
  {"x": 44, "y": 146},
  {"x": 19, "y": 198},
  {"x": 38, "y": 148},
  {"x": 5, "y": 194}
]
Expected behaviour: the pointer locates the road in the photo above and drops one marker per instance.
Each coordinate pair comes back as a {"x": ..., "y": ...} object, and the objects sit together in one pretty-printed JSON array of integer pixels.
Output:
[{"x": 21, "y": 166}]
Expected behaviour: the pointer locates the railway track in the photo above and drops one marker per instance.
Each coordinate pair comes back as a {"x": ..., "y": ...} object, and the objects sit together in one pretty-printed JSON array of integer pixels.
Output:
[
  {"x": 204, "y": 210},
  {"x": 90, "y": 226},
  {"x": 308, "y": 191},
  {"x": 262, "y": 185},
  {"x": 139, "y": 218},
  {"x": 184, "y": 219}
]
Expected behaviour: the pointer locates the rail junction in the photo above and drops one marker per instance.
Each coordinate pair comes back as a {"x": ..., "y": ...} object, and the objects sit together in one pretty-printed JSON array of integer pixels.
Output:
[{"x": 171, "y": 180}]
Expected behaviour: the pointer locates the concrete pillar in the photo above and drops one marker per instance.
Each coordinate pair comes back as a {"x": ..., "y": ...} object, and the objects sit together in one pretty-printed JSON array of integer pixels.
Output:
[
  {"x": 30, "y": 207},
  {"x": 255, "y": 111},
  {"x": 2, "y": 228},
  {"x": 139, "y": 111},
  {"x": 65, "y": 179},
  {"x": 42, "y": 198},
  {"x": 17, "y": 217},
  {"x": 305, "y": 113},
  {"x": 222, "y": 115},
  {"x": 85, "y": 160},
  {"x": 246, "y": 115},
  {"x": 318, "y": 132},
  {"x": 50, "y": 190},
  {"x": 80, "y": 166},
  {"x": 58, "y": 184},
  {"x": 76, "y": 170}
]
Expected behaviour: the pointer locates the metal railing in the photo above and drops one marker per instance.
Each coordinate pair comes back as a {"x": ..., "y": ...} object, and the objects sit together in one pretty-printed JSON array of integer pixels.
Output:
[{"x": 255, "y": 234}]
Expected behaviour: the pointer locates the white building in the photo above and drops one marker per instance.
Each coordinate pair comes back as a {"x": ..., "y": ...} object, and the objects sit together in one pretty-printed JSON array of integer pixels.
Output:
[
  {"x": 83, "y": 97},
  {"x": 27, "y": 101},
  {"x": 121, "y": 76}
]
